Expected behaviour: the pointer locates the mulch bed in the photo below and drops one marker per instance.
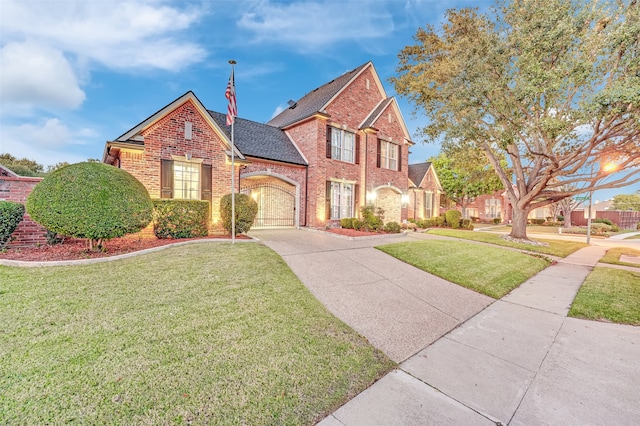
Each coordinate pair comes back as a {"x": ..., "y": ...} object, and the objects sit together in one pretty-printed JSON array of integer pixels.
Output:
[
  {"x": 353, "y": 233},
  {"x": 75, "y": 249}
]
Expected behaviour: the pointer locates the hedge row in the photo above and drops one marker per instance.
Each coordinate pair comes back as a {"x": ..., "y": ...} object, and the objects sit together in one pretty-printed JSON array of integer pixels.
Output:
[
  {"x": 11, "y": 215},
  {"x": 180, "y": 218}
]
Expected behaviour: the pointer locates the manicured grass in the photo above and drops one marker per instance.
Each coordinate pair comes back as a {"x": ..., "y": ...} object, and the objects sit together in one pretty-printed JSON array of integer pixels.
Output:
[
  {"x": 609, "y": 295},
  {"x": 559, "y": 248},
  {"x": 208, "y": 333},
  {"x": 492, "y": 271},
  {"x": 613, "y": 256}
]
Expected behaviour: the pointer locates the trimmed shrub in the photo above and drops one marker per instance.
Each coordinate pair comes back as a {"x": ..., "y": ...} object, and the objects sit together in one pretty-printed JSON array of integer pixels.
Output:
[
  {"x": 452, "y": 218},
  {"x": 466, "y": 224},
  {"x": 440, "y": 221},
  {"x": 537, "y": 221},
  {"x": 392, "y": 227},
  {"x": 601, "y": 220},
  {"x": 560, "y": 218},
  {"x": 496, "y": 220},
  {"x": 90, "y": 200},
  {"x": 246, "y": 211},
  {"x": 371, "y": 218},
  {"x": 357, "y": 224},
  {"x": 638, "y": 226},
  {"x": 180, "y": 218},
  {"x": 11, "y": 214},
  {"x": 409, "y": 225},
  {"x": 347, "y": 222}
]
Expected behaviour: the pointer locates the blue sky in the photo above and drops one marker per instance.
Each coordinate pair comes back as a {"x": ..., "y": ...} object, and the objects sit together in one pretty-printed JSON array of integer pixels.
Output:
[{"x": 75, "y": 73}]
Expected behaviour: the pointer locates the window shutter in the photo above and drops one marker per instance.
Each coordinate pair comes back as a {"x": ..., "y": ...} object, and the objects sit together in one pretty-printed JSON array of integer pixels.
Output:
[
  {"x": 328, "y": 201},
  {"x": 378, "y": 154},
  {"x": 357, "y": 149},
  {"x": 328, "y": 141},
  {"x": 399, "y": 157},
  {"x": 205, "y": 182},
  {"x": 166, "y": 179}
]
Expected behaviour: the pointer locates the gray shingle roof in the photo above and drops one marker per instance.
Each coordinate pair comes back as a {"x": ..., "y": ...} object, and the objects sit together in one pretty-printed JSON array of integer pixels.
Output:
[
  {"x": 418, "y": 171},
  {"x": 368, "y": 122},
  {"x": 260, "y": 140},
  {"x": 313, "y": 101}
]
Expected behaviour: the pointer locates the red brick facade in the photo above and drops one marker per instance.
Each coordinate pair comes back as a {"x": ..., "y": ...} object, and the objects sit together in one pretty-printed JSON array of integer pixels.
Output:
[{"x": 17, "y": 189}]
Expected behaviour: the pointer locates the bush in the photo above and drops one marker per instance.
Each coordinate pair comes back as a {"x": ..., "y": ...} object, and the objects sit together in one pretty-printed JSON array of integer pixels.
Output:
[
  {"x": 357, "y": 224},
  {"x": 11, "y": 214},
  {"x": 496, "y": 220},
  {"x": 246, "y": 211},
  {"x": 440, "y": 221},
  {"x": 180, "y": 218},
  {"x": 90, "y": 200},
  {"x": 347, "y": 222},
  {"x": 601, "y": 220},
  {"x": 410, "y": 226},
  {"x": 371, "y": 218},
  {"x": 537, "y": 221},
  {"x": 53, "y": 238},
  {"x": 560, "y": 218},
  {"x": 466, "y": 224},
  {"x": 600, "y": 228},
  {"x": 452, "y": 218},
  {"x": 392, "y": 227},
  {"x": 638, "y": 226}
]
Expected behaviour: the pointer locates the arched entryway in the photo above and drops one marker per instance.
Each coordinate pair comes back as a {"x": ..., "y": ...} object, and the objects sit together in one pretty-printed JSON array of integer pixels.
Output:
[
  {"x": 389, "y": 198},
  {"x": 278, "y": 199}
]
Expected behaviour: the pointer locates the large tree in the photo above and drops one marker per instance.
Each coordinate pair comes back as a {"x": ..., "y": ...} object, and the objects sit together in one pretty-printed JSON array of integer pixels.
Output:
[
  {"x": 627, "y": 202},
  {"x": 22, "y": 166},
  {"x": 552, "y": 85},
  {"x": 464, "y": 175}
]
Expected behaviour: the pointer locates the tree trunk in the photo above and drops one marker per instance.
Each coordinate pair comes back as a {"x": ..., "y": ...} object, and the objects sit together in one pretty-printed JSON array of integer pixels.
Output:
[
  {"x": 567, "y": 221},
  {"x": 519, "y": 223}
]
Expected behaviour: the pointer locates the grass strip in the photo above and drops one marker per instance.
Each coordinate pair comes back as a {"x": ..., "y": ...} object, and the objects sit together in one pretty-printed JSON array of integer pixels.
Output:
[
  {"x": 609, "y": 295},
  {"x": 492, "y": 271},
  {"x": 613, "y": 256},
  {"x": 558, "y": 248},
  {"x": 203, "y": 333}
]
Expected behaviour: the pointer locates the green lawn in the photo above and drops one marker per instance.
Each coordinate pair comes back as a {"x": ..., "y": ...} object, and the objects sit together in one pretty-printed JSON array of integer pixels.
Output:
[
  {"x": 609, "y": 295},
  {"x": 559, "y": 248},
  {"x": 613, "y": 256},
  {"x": 492, "y": 271},
  {"x": 204, "y": 333}
]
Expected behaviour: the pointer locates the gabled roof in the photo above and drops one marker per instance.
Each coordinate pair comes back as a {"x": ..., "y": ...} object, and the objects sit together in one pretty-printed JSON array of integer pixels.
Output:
[
  {"x": 5, "y": 171},
  {"x": 375, "y": 114},
  {"x": 317, "y": 100},
  {"x": 417, "y": 173},
  {"x": 260, "y": 140},
  {"x": 133, "y": 137}
]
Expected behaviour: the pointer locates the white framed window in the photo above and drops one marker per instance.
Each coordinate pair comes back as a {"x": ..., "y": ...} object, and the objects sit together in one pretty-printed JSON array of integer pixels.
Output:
[
  {"x": 342, "y": 145},
  {"x": 388, "y": 155},
  {"x": 492, "y": 208},
  {"x": 186, "y": 180},
  {"x": 428, "y": 204},
  {"x": 341, "y": 200}
]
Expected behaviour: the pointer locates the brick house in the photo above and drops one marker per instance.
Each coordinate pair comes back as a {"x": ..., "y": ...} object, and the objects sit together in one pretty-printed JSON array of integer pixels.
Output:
[
  {"x": 338, "y": 147},
  {"x": 424, "y": 191},
  {"x": 17, "y": 188}
]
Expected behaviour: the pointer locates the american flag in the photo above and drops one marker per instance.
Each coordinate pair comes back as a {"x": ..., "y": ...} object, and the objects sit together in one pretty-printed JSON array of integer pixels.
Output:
[{"x": 230, "y": 94}]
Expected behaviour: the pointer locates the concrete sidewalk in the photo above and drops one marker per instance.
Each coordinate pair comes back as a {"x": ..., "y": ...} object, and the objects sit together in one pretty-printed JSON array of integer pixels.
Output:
[{"x": 520, "y": 361}]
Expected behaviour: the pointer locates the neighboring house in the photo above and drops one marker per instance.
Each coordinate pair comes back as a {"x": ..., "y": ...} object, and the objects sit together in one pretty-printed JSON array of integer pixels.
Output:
[
  {"x": 424, "y": 191},
  {"x": 17, "y": 188},
  {"x": 340, "y": 146}
]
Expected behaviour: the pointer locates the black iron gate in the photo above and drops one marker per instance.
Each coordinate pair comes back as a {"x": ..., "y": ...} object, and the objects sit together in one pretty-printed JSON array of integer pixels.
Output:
[{"x": 276, "y": 205}]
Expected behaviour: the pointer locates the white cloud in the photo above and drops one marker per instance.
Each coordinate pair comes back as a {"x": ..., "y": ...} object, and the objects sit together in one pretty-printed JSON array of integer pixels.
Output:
[
  {"x": 51, "y": 133},
  {"x": 278, "y": 110},
  {"x": 117, "y": 34},
  {"x": 308, "y": 26},
  {"x": 36, "y": 74}
]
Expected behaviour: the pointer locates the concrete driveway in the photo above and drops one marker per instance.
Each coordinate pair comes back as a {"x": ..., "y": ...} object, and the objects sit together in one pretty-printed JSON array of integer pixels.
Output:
[{"x": 397, "y": 307}]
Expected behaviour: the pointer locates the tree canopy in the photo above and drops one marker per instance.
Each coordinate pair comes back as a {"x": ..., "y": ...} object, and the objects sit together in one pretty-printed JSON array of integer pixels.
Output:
[
  {"x": 627, "y": 202},
  {"x": 22, "y": 166},
  {"x": 465, "y": 175},
  {"x": 553, "y": 86}
]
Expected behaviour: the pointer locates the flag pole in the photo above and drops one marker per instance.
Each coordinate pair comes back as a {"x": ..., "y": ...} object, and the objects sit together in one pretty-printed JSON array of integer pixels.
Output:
[{"x": 233, "y": 169}]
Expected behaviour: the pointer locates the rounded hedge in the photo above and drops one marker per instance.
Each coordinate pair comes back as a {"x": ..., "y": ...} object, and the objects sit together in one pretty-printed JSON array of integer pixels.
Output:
[
  {"x": 11, "y": 214},
  {"x": 246, "y": 211},
  {"x": 90, "y": 200}
]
